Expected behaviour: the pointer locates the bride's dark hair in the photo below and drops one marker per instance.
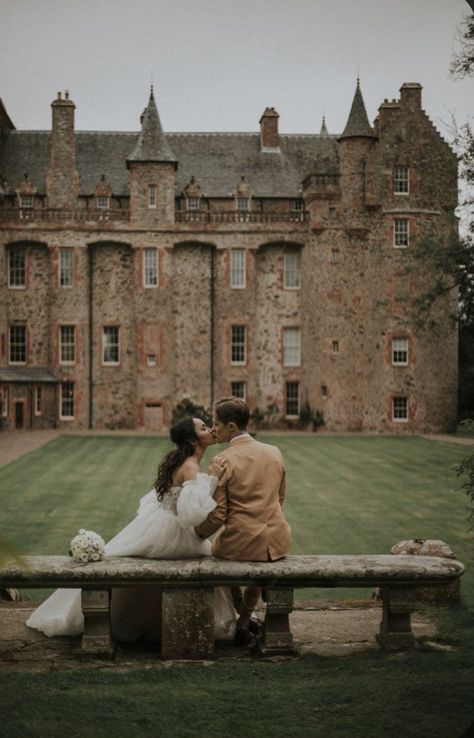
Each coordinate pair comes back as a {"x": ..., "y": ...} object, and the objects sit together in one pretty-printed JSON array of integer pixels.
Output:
[{"x": 183, "y": 434}]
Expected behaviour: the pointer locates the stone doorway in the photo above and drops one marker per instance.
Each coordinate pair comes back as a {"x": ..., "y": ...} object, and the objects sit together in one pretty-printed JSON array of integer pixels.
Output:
[{"x": 153, "y": 416}]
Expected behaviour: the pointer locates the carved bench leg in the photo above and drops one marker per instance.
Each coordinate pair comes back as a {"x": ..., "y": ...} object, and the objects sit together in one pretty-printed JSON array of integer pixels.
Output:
[
  {"x": 276, "y": 636},
  {"x": 188, "y": 623},
  {"x": 395, "y": 632},
  {"x": 97, "y": 638}
]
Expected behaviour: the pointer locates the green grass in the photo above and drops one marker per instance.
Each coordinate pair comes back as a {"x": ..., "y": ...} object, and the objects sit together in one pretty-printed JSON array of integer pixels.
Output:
[{"x": 345, "y": 495}]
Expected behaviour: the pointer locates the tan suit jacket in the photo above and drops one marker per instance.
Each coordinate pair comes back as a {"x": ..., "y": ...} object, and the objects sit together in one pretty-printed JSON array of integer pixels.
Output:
[{"x": 249, "y": 500}]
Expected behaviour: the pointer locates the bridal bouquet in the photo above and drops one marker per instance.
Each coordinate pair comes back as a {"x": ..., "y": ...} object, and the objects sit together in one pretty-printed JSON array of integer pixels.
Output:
[{"x": 87, "y": 546}]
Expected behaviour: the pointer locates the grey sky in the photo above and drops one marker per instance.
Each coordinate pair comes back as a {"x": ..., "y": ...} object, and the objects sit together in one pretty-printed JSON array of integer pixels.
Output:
[{"x": 216, "y": 64}]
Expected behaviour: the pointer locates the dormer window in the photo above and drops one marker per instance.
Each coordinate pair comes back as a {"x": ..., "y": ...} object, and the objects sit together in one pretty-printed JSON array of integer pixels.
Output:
[
  {"x": 103, "y": 202},
  {"x": 243, "y": 204},
  {"x": 26, "y": 201},
  {"x": 296, "y": 209},
  {"x": 192, "y": 203}
]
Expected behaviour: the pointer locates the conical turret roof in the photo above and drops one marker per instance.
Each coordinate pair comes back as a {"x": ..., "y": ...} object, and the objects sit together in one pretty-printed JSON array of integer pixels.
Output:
[
  {"x": 358, "y": 125},
  {"x": 324, "y": 130},
  {"x": 152, "y": 144}
]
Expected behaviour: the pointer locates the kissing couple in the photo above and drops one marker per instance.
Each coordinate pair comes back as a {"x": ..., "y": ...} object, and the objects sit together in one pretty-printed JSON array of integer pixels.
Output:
[{"x": 242, "y": 495}]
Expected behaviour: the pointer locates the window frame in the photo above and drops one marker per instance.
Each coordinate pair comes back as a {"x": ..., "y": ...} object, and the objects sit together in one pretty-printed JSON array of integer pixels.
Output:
[
  {"x": 118, "y": 346},
  {"x": 394, "y": 401},
  {"x": 397, "y": 234},
  {"x": 286, "y": 349},
  {"x": 193, "y": 203},
  {"x": 397, "y": 180},
  {"x": 152, "y": 196},
  {"x": 11, "y": 361},
  {"x": 62, "y": 400},
  {"x": 289, "y": 399},
  {"x": 102, "y": 202},
  {"x": 13, "y": 268},
  {"x": 234, "y": 344},
  {"x": 66, "y": 269},
  {"x": 4, "y": 401},
  {"x": 242, "y": 382},
  {"x": 242, "y": 269},
  {"x": 38, "y": 400},
  {"x": 287, "y": 271},
  {"x": 66, "y": 345},
  {"x": 396, "y": 350},
  {"x": 146, "y": 268}
]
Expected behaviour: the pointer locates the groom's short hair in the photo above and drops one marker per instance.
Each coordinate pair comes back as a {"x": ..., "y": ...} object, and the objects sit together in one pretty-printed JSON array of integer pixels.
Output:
[{"x": 233, "y": 410}]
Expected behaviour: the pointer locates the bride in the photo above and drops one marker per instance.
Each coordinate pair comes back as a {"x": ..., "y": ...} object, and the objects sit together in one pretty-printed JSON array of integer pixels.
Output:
[{"x": 163, "y": 529}]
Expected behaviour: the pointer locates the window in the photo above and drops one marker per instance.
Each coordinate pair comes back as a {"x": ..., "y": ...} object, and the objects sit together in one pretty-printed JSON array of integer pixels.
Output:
[
  {"x": 401, "y": 233},
  {"x": 400, "y": 408},
  {"x": 152, "y": 196},
  {"x": 296, "y": 209},
  {"x": 192, "y": 203},
  {"x": 335, "y": 347},
  {"x": 324, "y": 390},
  {"x": 66, "y": 267},
  {"x": 150, "y": 268},
  {"x": 400, "y": 351},
  {"x": 18, "y": 344},
  {"x": 243, "y": 203},
  {"x": 103, "y": 202},
  {"x": 400, "y": 180},
  {"x": 67, "y": 400},
  {"x": 291, "y": 270},
  {"x": 291, "y": 347},
  {"x": 292, "y": 399},
  {"x": 67, "y": 344},
  {"x": 26, "y": 201},
  {"x": 238, "y": 390},
  {"x": 151, "y": 360},
  {"x": 38, "y": 400},
  {"x": 237, "y": 268},
  {"x": 16, "y": 268},
  {"x": 238, "y": 344},
  {"x": 3, "y": 402},
  {"x": 334, "y": 256},
  {"x": 111, "y": 344}
]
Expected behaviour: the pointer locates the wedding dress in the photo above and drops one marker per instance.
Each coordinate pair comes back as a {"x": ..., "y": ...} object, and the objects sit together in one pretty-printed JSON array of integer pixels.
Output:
[{"x": 160, "y": 530}]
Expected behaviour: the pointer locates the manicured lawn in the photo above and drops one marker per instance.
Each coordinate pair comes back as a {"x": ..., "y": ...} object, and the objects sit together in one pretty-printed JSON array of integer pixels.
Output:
[{"x": 345, "y": 495}]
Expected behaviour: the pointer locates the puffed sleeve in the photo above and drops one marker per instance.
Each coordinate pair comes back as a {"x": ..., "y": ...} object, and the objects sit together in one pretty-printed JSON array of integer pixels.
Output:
[{"x": 195, "y": 500}]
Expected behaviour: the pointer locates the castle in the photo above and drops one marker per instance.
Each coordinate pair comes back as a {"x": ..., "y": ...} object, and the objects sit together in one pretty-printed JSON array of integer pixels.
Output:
[{"x": 137, "y": 269}]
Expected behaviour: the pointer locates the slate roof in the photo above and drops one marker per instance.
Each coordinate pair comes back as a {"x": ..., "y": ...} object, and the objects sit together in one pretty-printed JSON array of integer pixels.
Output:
[
  {"x": 217, "y": 160},
  {"x": 358, "y": 123},
  {"x": 152, "y": 144},
  {"x": 26, "y": 375}
]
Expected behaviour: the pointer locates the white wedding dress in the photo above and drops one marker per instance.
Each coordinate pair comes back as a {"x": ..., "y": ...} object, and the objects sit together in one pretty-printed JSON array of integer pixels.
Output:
[{"x": 161, "y": 530}]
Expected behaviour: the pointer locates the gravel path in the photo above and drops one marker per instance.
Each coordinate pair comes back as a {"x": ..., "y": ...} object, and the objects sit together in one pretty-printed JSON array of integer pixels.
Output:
[{"x": 14, "y": 444}]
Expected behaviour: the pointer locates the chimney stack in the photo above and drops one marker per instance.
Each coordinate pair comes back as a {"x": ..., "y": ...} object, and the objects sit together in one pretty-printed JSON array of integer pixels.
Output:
[
  {"x": 269, "y": 139},
  {"x": 62, "y": 180}
]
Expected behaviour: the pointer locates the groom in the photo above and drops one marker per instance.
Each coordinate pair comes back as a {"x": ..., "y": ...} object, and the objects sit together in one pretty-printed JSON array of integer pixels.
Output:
[{"x": 249, "y": 500}]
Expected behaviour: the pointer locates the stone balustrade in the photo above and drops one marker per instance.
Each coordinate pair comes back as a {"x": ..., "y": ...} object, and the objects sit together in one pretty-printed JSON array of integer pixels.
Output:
[{"x": 60, "y": 215}]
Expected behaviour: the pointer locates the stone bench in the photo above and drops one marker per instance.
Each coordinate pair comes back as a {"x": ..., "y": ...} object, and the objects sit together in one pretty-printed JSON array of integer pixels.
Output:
[{"x": 188, "y": 589}]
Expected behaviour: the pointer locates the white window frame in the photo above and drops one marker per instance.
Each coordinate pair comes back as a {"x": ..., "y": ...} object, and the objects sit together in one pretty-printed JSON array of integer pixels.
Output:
[
  {"x": 239, "y": 342},
  {"x": 401, "y": 234},
  {"x": 394, "y": 410},
  {"x": 399, "y": 346},
  {"x": 116, "y": 345},
  {"x": 193, "y": 203},
  {"x": 292, "y": 270},
  {"x": 287, "y": 398},
  {"x": 66, "y": 267},
  {"x": 291, "y": 346},
  {"x": 67, "y": 345},
  {"x": 26, "y": 201},
  {"x": 63, "y": 399},
  {"x": 151, "y": 360},
  {"x": 243, "y": 384},
  {"x": 4, "y": 401},
  {"x": 238, "y": 270},
  {"x": 152, "y": 196},
  {"x": 401, "y": 177},
  {"x": 149, "y": 269},
  {"x": 11, "y": 361},
  {"x": 335, "y": 346},
  {"x": 18, "y": 270},
  {"x": 38, "y": 399},
  {"x": 102, "y": 202}
]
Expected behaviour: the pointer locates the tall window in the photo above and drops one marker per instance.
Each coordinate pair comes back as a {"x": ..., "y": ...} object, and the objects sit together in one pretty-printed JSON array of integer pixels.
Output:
[
  {"x": 291, "y": 270},
  {"x": 243, "y": 208},
  {"x": 401, "y": 232},
  {"x": 67, "y": 344},
  {"x": 16, "y": 268},
  {"x": 238, "y": 344},
  {"x": 3, "y": 402},
  {"x": 335, "y": 347},
  {"x": 296, "y": 209},
  {"x": 38, "y": 400},
  {"x": 67, "y": 400},
  {"x": 111, "y": 344},
  {"x": 103, "y": 202},
  {"x": 66, "y": 267},
  {"x": 238, "y": 390},
  {"x": 399, "y": 351},
  {"x": 237, "y": 268},
  {"x": 291, "y": 347},
  {"x": 399, "y": 408},
  {"x": 401, "y": 184},
  {"x": 150, "y": 267},
  {"x": 292, "y": 398},
  {"x": 152, "y": 196},
  {"x": 18, "y": 344}
]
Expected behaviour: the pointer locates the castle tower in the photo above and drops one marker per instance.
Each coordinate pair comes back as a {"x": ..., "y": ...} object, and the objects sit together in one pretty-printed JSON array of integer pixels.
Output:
[
  {"x": 62, "y": 179},
  {"x": 152, "y": 167},
  {"x": 355, "y": 145}
]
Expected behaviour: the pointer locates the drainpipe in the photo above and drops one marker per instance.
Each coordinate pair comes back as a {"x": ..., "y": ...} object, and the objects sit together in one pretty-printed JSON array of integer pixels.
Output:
[
  {"x": 212, "y": 308},
  {"x": 91, "y": 335}
]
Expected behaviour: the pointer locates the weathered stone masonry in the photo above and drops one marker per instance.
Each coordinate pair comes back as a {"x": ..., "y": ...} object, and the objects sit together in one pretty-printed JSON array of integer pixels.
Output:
[{"x": 141, "y": 268}]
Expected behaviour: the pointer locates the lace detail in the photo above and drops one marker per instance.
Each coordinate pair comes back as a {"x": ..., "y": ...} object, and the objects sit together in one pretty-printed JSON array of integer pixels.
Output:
[{"x": 170, "y": 500}]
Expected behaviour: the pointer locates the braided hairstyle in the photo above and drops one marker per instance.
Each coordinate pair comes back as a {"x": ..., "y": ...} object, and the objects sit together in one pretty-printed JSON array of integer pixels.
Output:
[{"x": 183, "y": 434}]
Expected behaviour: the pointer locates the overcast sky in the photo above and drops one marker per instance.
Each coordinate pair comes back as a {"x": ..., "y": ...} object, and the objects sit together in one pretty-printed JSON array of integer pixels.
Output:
[{"x": 216, "y": 64}]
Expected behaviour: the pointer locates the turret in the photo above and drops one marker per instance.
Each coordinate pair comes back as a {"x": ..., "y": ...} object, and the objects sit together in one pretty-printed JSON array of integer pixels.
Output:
[
  {"x": 62, "y": 179},
  {"x": 152, "y": 167}
]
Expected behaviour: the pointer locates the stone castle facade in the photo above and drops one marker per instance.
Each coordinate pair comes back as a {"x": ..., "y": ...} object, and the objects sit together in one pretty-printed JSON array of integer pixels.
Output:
[{"x": 137, "y": 269}]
